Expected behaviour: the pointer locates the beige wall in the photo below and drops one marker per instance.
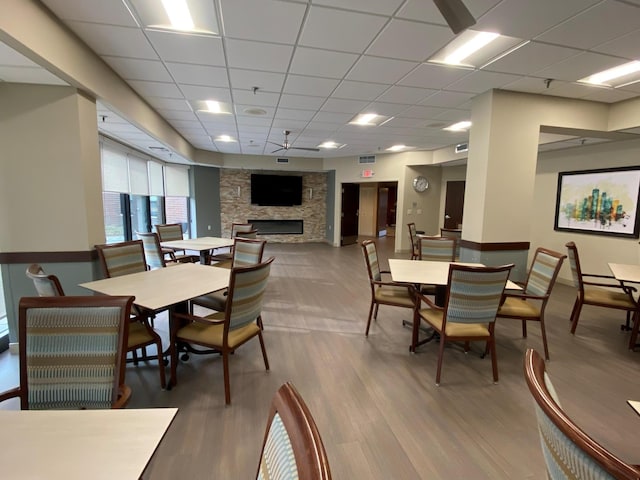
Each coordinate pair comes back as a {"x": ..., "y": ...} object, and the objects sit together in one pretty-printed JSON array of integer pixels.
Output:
[{"x": 367, "y": 211}]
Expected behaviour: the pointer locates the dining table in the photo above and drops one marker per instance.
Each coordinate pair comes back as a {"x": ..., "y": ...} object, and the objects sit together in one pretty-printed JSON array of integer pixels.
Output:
[
  {"x": 81, "y": 444},
  {"x": 165, "y": 288},
  {"x": 624, "y": 272},
  {"x": 204, "y": 245}
]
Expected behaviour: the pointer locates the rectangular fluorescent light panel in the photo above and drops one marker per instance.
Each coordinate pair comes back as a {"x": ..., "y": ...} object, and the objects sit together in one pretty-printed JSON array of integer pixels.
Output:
[
  {"x": 179, "y": 14},
  {"x": 191, "y": 17},
  {"x": 397, "y": 148},
  {"x": 458, "y": 127},
  {"x": 615, "y": 77},
  {"x": 331, "y": 145},
  {"x": 224, "y": 138},
  {"x": 475, "y": 49}
]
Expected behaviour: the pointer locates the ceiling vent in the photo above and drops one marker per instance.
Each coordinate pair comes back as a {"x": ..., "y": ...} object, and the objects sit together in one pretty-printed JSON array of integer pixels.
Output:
[
  {"x": 367, "y": 159},
  {"x": 462, "y": 147},
  {"x": 282, "y": 160}
]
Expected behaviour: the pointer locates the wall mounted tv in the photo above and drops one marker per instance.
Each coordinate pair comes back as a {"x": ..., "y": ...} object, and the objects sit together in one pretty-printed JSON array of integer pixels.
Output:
[{"x": 276, "y": 190}]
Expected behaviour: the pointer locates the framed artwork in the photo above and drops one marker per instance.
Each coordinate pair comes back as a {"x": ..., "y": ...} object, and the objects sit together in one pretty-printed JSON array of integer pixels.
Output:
[{"x": 599, "y": 202}]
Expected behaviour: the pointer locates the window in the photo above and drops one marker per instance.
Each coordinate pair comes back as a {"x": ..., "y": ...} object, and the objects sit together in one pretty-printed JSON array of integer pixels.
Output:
[{"x": 177, "y": 209}]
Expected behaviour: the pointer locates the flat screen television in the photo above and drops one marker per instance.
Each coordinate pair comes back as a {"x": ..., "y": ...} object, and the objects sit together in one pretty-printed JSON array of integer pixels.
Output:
[{"x": 276, "y": 190}]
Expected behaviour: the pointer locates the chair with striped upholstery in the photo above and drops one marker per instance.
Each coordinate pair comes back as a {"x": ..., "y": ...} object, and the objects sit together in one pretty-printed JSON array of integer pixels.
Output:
[
  {"x": 437, "y": 249},
  {"x": 168, "y": 232},
  {"x": 155, "y": 257},
  {"x": 238, "y": 230},
  {"x": 72, "y": 352},
  {"x": 569, "y": 453},
  {"x": 46, "y": 285},
  {"x": 453, "y": 233},
  {"x": 292, "y": 446},
  {"x": 530, "y": 303},
  {"x": 413, "y": 237},
  {"x": 126, "y": 258},
  {"x": 240, "y": 322},
  {"x": 608, "y": 293},
  {"x": 246, "y": 252},
  {"x": 472, "y": 301},
  {"x": 382, "y": 292}
]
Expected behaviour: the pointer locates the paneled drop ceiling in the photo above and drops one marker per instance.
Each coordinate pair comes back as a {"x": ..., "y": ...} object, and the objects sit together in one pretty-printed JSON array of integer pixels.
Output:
[{"x": 311, "y": 66}]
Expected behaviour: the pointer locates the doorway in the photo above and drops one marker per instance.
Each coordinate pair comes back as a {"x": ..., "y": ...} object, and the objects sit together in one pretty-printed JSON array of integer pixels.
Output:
[
  {"x": 368, "y": 210},
  {"x": 454, "y": 204},
  {"x": 349, "y": 214}
]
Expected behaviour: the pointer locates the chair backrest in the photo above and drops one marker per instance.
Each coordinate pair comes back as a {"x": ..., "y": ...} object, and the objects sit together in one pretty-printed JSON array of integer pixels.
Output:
[
  {"x": 168, "y": 232},
  {"x": 237, "y": 228},
  {"x": 437, "y": 249},
  {"x": 371, "y": 260},
  {"x": 247, "y": 251},
  {"x": 122, "y": 258},
  {"x": 246, "y": 291},
  {"x": 46, "y": 285},
  {"x": 413, "y": 236},
  {"x": 452, "y": 233},
  {"x": 543, "y": 272},
  {"x": 474, "y": 293},
  {"x": 567, "y": 450},
  {"x": 292, "y": 447},
  {"x": 574, "y": 262},
  {"x": 152, "y": 249},
  {"x": 72, "y": 351},
  {"x": 248, "y": 234}
]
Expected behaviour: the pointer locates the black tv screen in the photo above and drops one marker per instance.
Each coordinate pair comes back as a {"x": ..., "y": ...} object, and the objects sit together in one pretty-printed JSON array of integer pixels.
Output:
[{"x": 276, "y": 190}]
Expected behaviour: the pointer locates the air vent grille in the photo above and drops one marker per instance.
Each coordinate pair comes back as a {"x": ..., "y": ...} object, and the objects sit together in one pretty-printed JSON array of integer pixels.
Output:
[
  {"x": 282, "y": 160},
  {"x": 367, "y": 159}
]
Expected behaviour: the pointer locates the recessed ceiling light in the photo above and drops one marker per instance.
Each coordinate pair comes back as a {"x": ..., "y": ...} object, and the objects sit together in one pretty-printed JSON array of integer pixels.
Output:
[
  {"x": 224, "y": 138},
  {"x": 179, "y": 14},
  {"x": 621, "y": 73},
  {"x": 255, "y": 111},
  {"x": 331, "y": 145},
  {"x": 476, "y": 49},
  {"x": 369, "y": 119},
  {"x": 191, "y": 17},
  {"x": 397, "y": 148},
  {"x": 212, "y": 106},
  {"x": 458, "y": 127}
]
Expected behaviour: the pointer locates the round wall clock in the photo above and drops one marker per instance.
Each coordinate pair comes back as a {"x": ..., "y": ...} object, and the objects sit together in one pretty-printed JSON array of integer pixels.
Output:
[{"x": 420, "y": 183}]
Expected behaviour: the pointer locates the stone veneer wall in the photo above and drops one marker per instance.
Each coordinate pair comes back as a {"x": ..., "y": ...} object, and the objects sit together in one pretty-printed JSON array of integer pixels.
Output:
[{"x": 237, "y": 208}]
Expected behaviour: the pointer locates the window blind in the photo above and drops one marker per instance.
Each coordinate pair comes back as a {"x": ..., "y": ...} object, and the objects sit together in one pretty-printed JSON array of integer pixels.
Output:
[
  {"x": 156, "y": 180},
  {"x": 115, "y": 171},
  {"x": 138, "y": 176},
  {"x": 176, "y": 181}
]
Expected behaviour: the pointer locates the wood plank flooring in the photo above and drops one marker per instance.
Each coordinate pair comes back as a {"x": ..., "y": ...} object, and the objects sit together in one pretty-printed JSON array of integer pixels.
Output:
[{"x": 376, "y": 405}]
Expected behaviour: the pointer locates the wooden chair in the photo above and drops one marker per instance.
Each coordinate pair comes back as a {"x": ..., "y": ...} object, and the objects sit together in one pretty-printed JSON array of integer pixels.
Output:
[
  {"x": 246, "y": 252},
  {"x": 609, "y": 295},
  {"x": 72, "y": 352},
  {"x": 569, "y": 453},
  {"x": 241, "y": 230},
  {"x": 292, "y": 447},
  {"x": 240, "y": 322},
  {"x": 154, "y": 255},
  {"x": 382, "y": 293},
  {"x": 168, "y": 232},
  {"x": 413, "y": 236},
  {"x": 126, "y": 258},
  {"x": 437, "y": 249},
  {"x": 453, "y": 233},
  {"x": 46, "y": 285},
  {"x": 530, "y": 303},
  {"x": 472, "y": 301}
]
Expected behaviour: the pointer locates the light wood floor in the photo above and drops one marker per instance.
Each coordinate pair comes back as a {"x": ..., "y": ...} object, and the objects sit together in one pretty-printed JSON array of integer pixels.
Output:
[{"x": 376, "y": 405}]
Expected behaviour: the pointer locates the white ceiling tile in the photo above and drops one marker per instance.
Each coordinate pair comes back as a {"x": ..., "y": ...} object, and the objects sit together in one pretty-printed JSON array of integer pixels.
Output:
[
  {"x": 260, "y": 99},
  {"x": 359, "y": 90},
  {"x": 406, "y": 40},
  {"x": 177, "y": 115},
  {"x": 114, "y": 40},
  {"x": 321, "y": 63},
  {"x": 527, "y": 85},
  {"x": 178, "y": 47},
  {"x": 169, "y": 103},
  {"x": 433, "y": 76},
  {"x": 481, "y": 81},
  {"x": 139, "y": 69},
  {"x": 265, "y": 81},
  {"x": 427, "y": 11},
  {"x": 253, "y": 121},
  {"x": 531, "y": 57},
  {"x": 386, "y": 109},
  {"x": 343, "y": 37},
  {"x": 634, "y": 87},
  {"x": 190, "y": 74},
  {"x": 383, "y": 70},
  {"x": 332, "y": 117},
  {"x": 383, "y": 7},
  {"x": 262, "y": 20},
  {"x": 601, "y": 23},
  {"x": 302, "y": 85},
  {"x": 258, "y": 56},
  {"x": 447, "y": 99},
  {"x": 423, "y": 112},
  {"x": 406, "y": 95},
  {"x": 569, "y": 89},
  {"x": 303, "y": 102},
  {"x": 340, "y": 105},
  {"x": 29, "y": 75},
  {"x": 210, "y": 120},
  {"x": 247, "y": 110},
  {"x": 95, "y": 11},
  {"x": 199, "y": 92},
  {"x": 156, "y": 89},
  {"x": 403, "y": 122},
  {"x": 454, "y": 116},
  {"x": 625, "y": 46},
  {"x": 579, "y": 66},
  {"x": 293, "y": 114},
  {"x": 609, "y": 95}
]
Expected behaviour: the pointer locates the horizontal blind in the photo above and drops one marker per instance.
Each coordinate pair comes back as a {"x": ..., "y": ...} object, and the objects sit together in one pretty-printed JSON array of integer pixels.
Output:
[{"x": 176, "y": 181}]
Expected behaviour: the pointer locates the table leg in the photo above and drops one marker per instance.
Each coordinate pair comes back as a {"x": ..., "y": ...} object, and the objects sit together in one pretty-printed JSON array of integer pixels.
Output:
[{"x": 174, "y": 325}]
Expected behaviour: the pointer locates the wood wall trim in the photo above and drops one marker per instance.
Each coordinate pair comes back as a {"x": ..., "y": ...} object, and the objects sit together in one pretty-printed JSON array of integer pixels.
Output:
[
  {"x": 48, "y": 257},
  {"x": 495, "y": 247}
]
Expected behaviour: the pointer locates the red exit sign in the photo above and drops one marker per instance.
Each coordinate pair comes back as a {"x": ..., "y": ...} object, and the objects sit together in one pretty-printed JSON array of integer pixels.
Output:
[{"x": 367, "y": 173}]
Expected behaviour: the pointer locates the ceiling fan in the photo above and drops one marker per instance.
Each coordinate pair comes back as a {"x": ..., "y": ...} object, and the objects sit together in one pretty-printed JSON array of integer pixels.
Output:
[
  {"x": 456, "y": 14},
  {"x": 287, "y": 146}
]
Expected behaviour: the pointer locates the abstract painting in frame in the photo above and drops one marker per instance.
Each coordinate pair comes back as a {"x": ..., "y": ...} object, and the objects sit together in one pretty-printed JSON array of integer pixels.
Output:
[{"x": 599, "y": 202}]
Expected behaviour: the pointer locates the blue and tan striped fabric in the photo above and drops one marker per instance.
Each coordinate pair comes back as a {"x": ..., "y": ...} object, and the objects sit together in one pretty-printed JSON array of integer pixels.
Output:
[
  {"x": 247, "y": 253},
  {"x": 238, "y": 228},
  {"x": 574, "y": 267},
  {"x": 564, "y": 460},
  {"x": 474, "y": 296},
  {"x": 278, "y": 461},
  {"x": 372, "y": 261},
  {"x": 169, "y": 232},
  {"x": 152, "y": 253},
  {"x": 125, "y": 259},
  {"x": 248, "y": 291},
  {"x": 541, "y": 274},
  {"x": 71, "y": 357},
  {"x": 437, "y": 249}
]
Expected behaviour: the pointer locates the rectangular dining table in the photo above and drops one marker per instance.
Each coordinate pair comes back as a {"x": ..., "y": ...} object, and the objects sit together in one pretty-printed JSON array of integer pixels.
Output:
[
  {"x": 204, "y": 245},
  {"x": 170, "y": 287},
  {"x": 81, "y": 444},
  {"x": 625, "y": 272}
]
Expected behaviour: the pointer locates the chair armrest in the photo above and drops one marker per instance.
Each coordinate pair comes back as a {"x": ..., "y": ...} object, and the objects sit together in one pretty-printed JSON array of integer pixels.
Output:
[
  {"x": 390, "y": 284},
  {"x": 524, "y": 296},
  {"x": 194, "y": 318},
  {"x": 423, "y": 298},
  {"x": 12, "y": 393},
  {"x": 124, "y": 394},
  {"x": 626, "y": 288}
]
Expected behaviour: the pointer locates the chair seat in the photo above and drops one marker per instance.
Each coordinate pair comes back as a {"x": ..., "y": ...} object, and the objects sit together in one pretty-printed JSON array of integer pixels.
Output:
[
  {"x": 396, "y": 295},
  {"x": 212, "y": 334},
  {"x": 519, "y": 308},
  {"x": 215, "y": 300},
  {"x": 610, "y": 298},
  {"x": 138, "y": 335},
  {"x": 436, "y": 317}
]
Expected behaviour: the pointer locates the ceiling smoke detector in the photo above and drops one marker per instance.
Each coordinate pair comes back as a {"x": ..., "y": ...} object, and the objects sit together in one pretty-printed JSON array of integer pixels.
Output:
[{"x": 255, "y": 111}]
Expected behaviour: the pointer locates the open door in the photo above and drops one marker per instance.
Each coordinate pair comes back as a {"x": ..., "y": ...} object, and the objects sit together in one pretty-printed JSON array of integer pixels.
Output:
[
  {"x": 454, "y": 204},
  {"x": 349, "y": 215}
]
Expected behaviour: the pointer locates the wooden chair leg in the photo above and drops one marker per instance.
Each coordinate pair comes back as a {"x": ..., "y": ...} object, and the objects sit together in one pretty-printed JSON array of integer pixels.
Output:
[
  {"x": 264, "y": 350},
  {"x": 634, "y": 331},
  {"x": 494, "y": 359},
  {"x": 576, "y": 316},
  {"x": 440, "y": 355},
  {"x": 375, "y": 313},
  {"x": 366, "y": 333},
  {"x": 227, "y": 387},
  {"x": 543, "y": 332},
  {"x": 163, "y": 379},
  {"x": 524, "y": 329}
]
